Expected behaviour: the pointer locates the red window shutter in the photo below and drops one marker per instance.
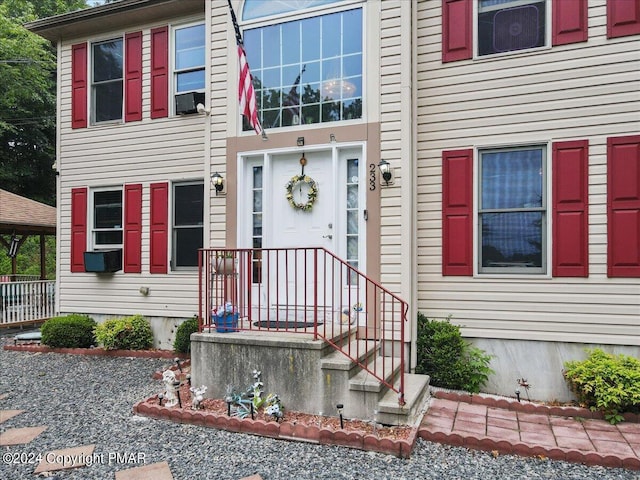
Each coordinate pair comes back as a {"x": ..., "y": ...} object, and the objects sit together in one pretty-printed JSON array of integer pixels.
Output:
[
  {"x": 79, "y": 86},
  {"x": 133, "y": 228},
  {"x": 569, "y": 22},
  {"x": 159, "y": 227},
  {"x": 457, "y": 16},
  {"x": 623, "y": 206},
  {"x": 78, "y": 228},
  {"x": 133, "y": 77},
  {"x": 570, "y": 209},
  {"x": 160, "y": 72},
  {"x": 623, "y": 18},
  {"x": 457, "y": 212}
]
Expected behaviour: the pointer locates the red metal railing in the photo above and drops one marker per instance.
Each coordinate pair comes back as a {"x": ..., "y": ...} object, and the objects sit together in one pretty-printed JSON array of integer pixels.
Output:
[{"x": 309, "y": 291}]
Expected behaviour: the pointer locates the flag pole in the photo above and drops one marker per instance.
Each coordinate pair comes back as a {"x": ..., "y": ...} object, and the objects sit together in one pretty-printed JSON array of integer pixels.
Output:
[{"x": 246, "y": 98}]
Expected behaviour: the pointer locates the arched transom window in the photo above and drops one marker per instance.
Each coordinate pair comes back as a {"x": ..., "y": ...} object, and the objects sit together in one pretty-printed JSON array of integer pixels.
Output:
[{"x": 307, "y": 66}]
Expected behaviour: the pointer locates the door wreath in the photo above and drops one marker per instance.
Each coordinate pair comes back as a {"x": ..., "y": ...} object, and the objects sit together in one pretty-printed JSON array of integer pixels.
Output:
[{"x": 300, "y": 180}]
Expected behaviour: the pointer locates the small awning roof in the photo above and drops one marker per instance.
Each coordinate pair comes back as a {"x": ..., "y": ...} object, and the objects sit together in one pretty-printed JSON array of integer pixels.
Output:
[{"x": 24, "y": 216}]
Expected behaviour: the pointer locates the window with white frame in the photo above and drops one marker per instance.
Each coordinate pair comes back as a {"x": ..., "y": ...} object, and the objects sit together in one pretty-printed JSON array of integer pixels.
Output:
[
  {"x": 107, "y": 218},
  {"x": 256, "y": 214},
  {"x": 188, "y": 220},
  {"x": 306, "y": 70},
  {"x": 189, "y": 58},
  {"x": 509, "y": 25},
  {"x": 106, "y": 81},
  {"x": 512, "y": 212},
  {"x": 352, "y": 207}
]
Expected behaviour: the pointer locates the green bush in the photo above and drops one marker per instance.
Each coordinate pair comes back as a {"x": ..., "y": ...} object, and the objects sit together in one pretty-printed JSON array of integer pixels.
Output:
[
  {"x": 182, "y": 342},
  {"x": 606, "y": 382},
  {"x": 128, "y": 333},
  {"x": 448, "y": 359},
  {"x": 69, "y": 331}
]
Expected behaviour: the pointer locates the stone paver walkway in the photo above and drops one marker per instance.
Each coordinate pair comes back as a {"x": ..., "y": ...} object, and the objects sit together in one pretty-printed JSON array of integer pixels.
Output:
[
  {"x": 7, "y": 414},
  {"x": 19, "y": 436},
  {"x": 73, "y": 457},
  {"x": 155, "y": 471},
  {"x": 65, "y": 459},
  {"x": 532, "y": 434}
]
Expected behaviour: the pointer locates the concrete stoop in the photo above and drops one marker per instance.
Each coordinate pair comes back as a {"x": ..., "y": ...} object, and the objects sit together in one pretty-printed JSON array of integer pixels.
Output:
[{"x": 309, "y": 375}]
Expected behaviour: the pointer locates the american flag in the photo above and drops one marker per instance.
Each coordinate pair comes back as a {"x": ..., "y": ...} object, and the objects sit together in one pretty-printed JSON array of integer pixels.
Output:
[{"x": 246, "y": 94}]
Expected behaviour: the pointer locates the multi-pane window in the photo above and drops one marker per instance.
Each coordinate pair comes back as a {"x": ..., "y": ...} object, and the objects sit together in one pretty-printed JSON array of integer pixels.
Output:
[
  {"x": 512, "y": 213},
  {"x": 107, "y": 218},
  {"x": 256, "y": 215},
  {"x": 508, "y": 25},
  {"x": 189, "y": 58},
  {"x": 307, "y": 71},
  {"x": 106, "y": 81},
  {"x": 352, "y": 215},
  {"x": 188, "y": 219}
]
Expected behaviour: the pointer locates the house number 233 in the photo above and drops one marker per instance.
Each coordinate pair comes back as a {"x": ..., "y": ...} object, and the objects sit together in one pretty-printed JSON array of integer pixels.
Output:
[{"x": 372, "y": 176}]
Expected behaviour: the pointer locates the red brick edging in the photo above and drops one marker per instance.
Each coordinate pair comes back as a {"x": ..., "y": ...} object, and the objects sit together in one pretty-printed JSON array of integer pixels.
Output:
[
  {"x": 97, "y": 351},
  {"x": 485, "y": 443},
  {"x": 528, "y": 407},
  {"x": 282, "y": 431}
]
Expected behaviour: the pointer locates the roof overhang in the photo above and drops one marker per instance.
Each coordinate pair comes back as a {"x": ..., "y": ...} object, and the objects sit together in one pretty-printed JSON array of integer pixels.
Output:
[
  {"x": 22, "y": 229},
  {"x": 24, "y": 216},
  {"x": 112, "y": 16}
]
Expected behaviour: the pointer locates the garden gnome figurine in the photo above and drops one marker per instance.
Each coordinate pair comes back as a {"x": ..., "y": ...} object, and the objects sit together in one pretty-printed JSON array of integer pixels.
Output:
[
  {"x": 169, "y": 379},
  {"x": 198, "y": 397}
]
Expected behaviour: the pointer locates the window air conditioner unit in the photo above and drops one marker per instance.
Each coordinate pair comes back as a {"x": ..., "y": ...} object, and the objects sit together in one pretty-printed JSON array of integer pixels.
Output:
[
  {"x": 515, "y": 28},
  {"x": 187, "y": 103},
  {"x": 103, "y": 261}
]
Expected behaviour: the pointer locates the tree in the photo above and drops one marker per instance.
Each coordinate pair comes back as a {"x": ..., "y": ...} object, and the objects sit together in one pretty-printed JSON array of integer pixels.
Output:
[
  {"x": 27, "y": 116},
  {"x": 28, "y": 103}
]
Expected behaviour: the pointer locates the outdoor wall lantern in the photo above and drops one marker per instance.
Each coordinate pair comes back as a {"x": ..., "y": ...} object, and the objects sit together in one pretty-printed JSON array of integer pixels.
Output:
[
  {"x": 218, "y": 182},
  {"x": 385, "y": 171}
]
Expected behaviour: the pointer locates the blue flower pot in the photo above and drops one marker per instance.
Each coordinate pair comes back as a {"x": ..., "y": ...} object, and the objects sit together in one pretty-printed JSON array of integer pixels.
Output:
[{"x": 227, "y": 322}]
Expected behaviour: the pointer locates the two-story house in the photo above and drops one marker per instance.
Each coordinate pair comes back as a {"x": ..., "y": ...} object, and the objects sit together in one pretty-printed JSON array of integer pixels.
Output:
[{"x": 511, "y": 130}]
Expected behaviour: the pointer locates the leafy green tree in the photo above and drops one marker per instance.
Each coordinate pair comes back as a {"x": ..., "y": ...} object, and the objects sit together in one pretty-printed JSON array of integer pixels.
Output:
[
  {"x": 30, "y": 10},
  {"x": 27, "y": 117},
  {"x": 28, "y": 259},
  {"x": 28, "y": 102}
]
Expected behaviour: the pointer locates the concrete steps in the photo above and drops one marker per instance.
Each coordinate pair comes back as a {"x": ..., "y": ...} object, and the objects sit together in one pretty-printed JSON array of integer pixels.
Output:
[
  {"x": 416, "y": 395},
  {"x": 363, "y": 395},
  {"x": 359, "y": 349}
]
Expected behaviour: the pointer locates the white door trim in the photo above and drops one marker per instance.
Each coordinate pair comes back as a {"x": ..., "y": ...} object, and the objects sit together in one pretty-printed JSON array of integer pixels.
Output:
[{"x": 246, "y": 160}]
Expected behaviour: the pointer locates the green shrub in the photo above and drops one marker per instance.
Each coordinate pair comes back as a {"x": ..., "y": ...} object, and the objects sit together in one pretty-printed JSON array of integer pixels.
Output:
[
  {"x": 182, "y": 342},
  {"x": 128, "y": 333},
  {"x": 606, "y": 382},
  {"x": 69, "y": 331},
  {"x": 448, "y": 359}
]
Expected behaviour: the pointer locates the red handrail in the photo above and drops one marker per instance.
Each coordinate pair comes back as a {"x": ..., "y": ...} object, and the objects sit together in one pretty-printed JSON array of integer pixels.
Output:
[{"x": 306, "y": 290}]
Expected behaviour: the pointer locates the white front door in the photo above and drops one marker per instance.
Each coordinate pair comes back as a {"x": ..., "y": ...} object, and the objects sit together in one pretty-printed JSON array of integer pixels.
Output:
[
  {"x": 335, "y": 222},
  {"x": 294, "y": 227}
]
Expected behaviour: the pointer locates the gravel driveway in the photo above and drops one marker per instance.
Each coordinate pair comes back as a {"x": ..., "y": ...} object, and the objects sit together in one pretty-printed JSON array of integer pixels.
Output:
[{"x": 87, "y": 400}]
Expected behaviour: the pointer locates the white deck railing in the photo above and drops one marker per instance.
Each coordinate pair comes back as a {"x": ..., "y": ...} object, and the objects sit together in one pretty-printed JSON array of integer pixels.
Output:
[{"x": 22, "y": 302}]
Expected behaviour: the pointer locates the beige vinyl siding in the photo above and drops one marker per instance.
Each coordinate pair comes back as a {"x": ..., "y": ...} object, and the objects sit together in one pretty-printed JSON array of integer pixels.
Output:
[
  {"x": 586, "y": 91},
  {"x": 160, "y": 150},
  {"x": 395, "y": 145},
  {"x": 223, "y": 73}
]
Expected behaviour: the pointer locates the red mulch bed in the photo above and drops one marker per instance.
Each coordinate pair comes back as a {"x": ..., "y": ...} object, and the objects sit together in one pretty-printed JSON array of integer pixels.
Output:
[{"x": 219, "y": 406}]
